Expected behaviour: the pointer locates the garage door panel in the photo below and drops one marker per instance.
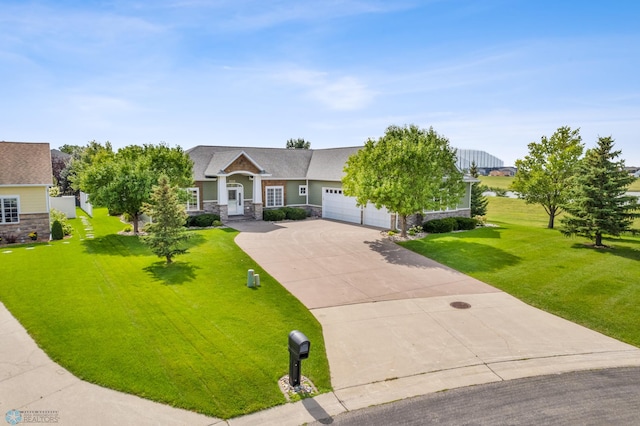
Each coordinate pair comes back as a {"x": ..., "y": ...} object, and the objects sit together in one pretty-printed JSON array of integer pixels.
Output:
[
  {"x": 336, "y": 205},
  {"x": 380, "y": 218}
]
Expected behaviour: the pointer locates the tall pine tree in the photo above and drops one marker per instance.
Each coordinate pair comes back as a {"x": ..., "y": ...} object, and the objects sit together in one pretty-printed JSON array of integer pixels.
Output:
[
  {"x": 478, "y": 201},
  {"x": 598, "y": 202},
  {"x": 167, "y": 231}
]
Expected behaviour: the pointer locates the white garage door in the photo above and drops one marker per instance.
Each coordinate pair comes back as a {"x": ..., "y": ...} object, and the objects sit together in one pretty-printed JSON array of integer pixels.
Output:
[
  {"x": 336, "y": 205},
  {"x": 372, "y": 216}
]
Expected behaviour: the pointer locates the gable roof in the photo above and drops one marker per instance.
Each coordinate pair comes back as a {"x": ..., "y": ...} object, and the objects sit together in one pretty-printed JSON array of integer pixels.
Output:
[
  {"x": 24, "y": 163},
  {"x": 328, "y": 164},
  {"x": 277, "y": 163}
]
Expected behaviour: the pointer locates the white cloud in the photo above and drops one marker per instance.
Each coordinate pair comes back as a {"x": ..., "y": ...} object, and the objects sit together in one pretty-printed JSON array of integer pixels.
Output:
[{"x": 342, "y": 93}]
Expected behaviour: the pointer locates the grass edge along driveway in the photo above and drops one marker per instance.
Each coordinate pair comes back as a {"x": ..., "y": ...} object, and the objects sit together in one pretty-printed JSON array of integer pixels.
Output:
[
  {"x": 190, "y": 334},
  {"x": 597, "y": 288}
]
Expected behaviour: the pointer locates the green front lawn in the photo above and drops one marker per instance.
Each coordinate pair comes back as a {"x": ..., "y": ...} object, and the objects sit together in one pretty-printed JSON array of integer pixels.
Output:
[
  {"x": 598, "y": 288},
  {"x": 504, "y": 182},
  {"x": 190, "y": 334}
]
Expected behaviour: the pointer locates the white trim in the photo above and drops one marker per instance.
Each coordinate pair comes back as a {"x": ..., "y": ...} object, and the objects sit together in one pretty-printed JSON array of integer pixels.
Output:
[
  {"x": 274, "y": 188},
  {"x": 238, "y": 188},
  {"x": 2, "y": 198},
  {"x": 238, "y": 156},
  {"x": 197, "y": 194},
  {"x": 303, "y": 190}
]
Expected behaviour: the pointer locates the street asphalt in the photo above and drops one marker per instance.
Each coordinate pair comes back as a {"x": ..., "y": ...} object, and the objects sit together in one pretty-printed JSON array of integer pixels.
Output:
[{"x": 389, "y": 326}]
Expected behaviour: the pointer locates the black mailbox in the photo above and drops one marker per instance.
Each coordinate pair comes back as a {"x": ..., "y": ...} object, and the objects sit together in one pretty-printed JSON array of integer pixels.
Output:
[{"x": 299, "y": 345}]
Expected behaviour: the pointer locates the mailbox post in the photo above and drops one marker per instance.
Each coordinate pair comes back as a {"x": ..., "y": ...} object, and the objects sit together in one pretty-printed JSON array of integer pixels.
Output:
[{"x": 298, "y": 350}]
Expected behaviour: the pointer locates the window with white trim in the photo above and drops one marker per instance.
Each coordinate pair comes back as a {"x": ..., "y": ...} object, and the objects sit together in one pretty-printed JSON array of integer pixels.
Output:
[
  {"x": 302, "y": 190},
  {"x": 9, "y": 209},
  {"x": 193, "y": 199},
  {"x": 275, "y": 196}
]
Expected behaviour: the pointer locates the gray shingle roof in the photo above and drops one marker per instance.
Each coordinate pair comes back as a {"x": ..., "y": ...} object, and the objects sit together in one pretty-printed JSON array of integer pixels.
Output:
[
  {"x": 328, "y": 164},
  {"x": 23, "y": 163},
  {"x": 279, "y": 163}
]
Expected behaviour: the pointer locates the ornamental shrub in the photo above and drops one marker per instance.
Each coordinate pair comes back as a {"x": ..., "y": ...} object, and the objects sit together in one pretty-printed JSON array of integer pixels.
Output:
[
  {"x": 466, "y": 223},
  {"x": 62, "y": 218},
  {"x": 274, "y": 215},
  {"x": 294, "y": 213},
  {"x": 56, "y": 230},
  {"x": 440, "y": 226},
  {"x": 202, "y": 220}
]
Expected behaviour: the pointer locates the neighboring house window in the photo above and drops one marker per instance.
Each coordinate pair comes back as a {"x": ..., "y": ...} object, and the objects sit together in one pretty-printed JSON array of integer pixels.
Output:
[
  {"x": 302, "y": 190},
  {"x": 9, "y": 212},
  {"x": 275, "y": 196},
  {"x": 193, "y": 200}
]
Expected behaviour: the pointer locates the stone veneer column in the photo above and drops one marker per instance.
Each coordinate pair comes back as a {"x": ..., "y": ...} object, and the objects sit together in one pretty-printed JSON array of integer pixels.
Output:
[
  {"x": 224, "y": 213},
  {"x": 223, "y": 198},
  {"x": 257, "y": 211}
]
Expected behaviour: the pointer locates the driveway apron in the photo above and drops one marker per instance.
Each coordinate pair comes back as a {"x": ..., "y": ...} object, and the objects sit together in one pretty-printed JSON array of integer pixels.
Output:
[{"x": 389, "y": 327}]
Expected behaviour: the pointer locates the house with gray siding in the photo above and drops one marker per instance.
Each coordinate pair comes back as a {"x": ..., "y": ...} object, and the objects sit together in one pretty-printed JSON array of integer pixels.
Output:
[{"x": 241, "y": 182}]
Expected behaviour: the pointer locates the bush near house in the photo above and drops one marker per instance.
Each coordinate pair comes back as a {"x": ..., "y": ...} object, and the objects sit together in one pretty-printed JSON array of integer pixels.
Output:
[
  {"x": 56, "y": 230},
  {"x": 466, "y": 223},
  {"x": 295, "y": 213},
  {"x": 289, "y": 213},
  {"x": 274, "y": 215},
  {"x": 449, "y": 224},
  {"x": 55, "y": 214},
  {"x": 202, "y": 220}
]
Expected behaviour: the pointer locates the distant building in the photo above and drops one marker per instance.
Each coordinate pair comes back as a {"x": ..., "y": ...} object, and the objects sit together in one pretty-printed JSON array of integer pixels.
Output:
[{"x": 484, "y": 161}]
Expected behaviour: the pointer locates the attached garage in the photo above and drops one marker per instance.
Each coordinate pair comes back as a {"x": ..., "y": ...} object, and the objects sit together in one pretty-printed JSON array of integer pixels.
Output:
[{"x": 337, "y": 206}]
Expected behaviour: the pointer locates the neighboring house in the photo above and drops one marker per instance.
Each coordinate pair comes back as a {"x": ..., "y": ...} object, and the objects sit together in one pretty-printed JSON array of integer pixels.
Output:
[
  {"x": 25, "y": 178},
  {"x": 240, "y": 182},
  {"x": 505, "y": 171}
]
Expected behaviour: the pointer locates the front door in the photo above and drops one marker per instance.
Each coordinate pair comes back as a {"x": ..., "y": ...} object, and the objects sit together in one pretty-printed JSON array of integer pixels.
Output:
[{"x": 235, "y": 201}]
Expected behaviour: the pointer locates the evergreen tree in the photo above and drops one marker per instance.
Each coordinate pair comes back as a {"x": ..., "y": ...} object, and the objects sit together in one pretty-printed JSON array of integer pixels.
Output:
[
  {"x": 598, "y": 202},
  {"x": 478, "y": 201},
  {"x": 299, "y": 143},
  {"x": 167, "y": 231}
]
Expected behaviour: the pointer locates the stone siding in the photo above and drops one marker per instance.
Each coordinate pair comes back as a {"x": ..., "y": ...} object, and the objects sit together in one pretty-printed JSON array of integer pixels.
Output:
[{"x": 33, "y": 222}]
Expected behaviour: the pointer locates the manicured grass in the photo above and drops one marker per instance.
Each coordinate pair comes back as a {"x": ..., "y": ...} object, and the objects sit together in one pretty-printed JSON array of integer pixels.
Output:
[
  {"x": 505, "y": 181},
  {"x": 598, "y": 288},
  {"x": 496, "y": 181},
  {"x": 190, "y": 334}
]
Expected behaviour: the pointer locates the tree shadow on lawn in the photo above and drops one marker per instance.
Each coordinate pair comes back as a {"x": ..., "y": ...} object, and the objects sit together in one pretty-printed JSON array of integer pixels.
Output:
[
  {"x": 128, "y": 245},
  {"x": 613, "y": 250},
  {"x": 465, "y": 256},
  {"x": 173, "y": 273}
]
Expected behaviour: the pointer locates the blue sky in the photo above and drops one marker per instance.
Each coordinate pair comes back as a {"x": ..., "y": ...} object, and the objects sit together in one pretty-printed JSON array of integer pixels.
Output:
[{"x": 487, "y": 74}]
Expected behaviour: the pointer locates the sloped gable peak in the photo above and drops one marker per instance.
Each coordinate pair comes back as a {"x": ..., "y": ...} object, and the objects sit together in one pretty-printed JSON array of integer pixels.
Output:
[{"x": 243, "y": 162}]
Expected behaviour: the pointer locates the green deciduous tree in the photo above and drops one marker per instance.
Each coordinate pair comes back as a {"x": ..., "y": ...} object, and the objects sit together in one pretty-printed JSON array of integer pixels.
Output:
[
  {"x": 408, "y": 170},
  {"x": 543, "y": 174},
  {"x": 166, "y": 233},
  {"x": 598, "y": 203},
  {"x": 298, "y": 144},
  {"x": 478, "y": 201},
  {"x": 123, "y": 181}
]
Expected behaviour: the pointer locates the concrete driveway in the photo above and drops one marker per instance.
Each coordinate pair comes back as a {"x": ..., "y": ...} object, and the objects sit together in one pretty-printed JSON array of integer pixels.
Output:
[{"x": 389, "y": 327}]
